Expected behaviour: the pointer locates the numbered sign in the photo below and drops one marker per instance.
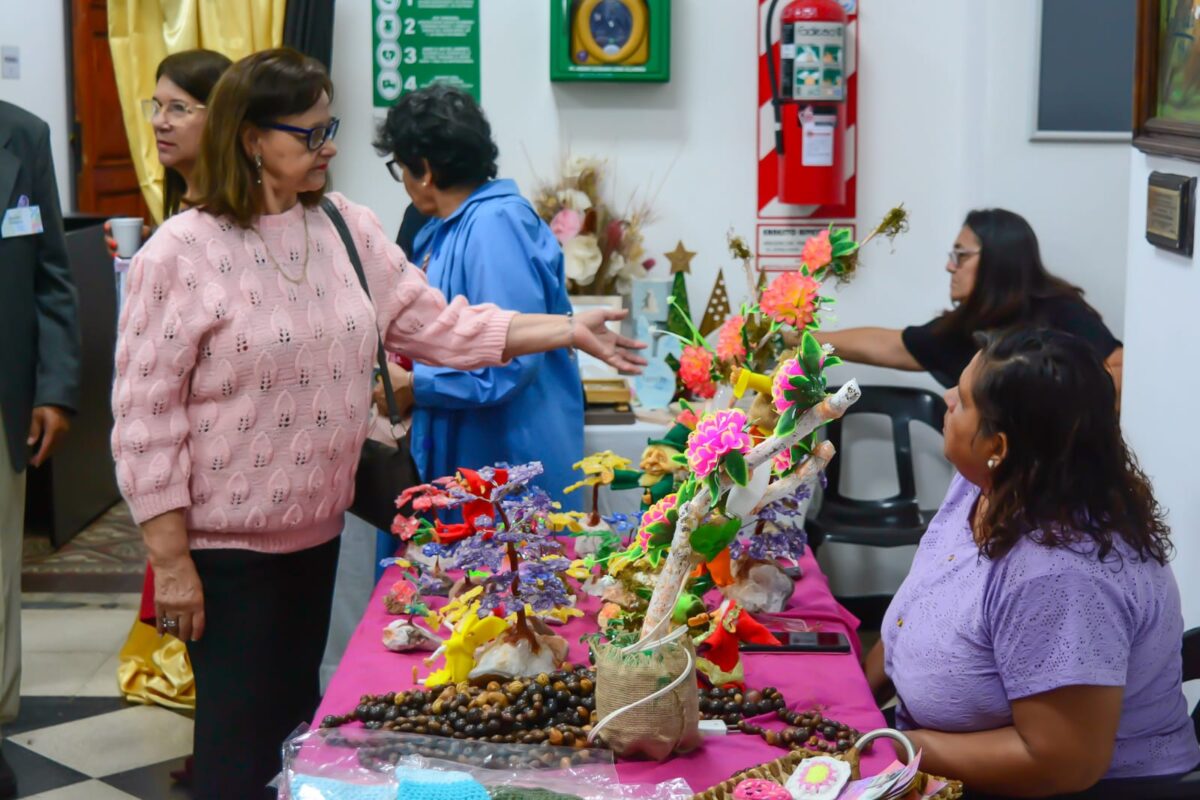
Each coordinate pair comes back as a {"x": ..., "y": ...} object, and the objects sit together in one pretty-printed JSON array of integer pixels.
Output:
[{"x": 418, "y": 42}]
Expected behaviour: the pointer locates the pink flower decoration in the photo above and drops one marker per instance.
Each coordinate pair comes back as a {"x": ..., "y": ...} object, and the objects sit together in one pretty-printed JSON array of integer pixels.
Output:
[
  {"x": 729, "y": 340},
  {"x": 653, "y": 514},
  {"x": 787, "y": 370},
  {"x": 405, "y": 527},
  {"x": 818, "y": 251},
  {"x": 695, "y": 370},
  {"x": 403, "y": 591},
  {"x": 566, "y": 225},
  {"x": 783, "y": 461},
  {"x": 791, "y": 299},
  {"x": 718, "y": 434}
]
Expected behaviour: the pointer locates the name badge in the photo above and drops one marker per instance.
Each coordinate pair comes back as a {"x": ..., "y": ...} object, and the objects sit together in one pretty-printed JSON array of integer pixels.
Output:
[{"x": 24, "y": 220}]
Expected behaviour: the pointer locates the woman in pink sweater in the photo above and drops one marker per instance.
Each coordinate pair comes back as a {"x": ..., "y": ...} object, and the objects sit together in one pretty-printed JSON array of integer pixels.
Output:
[{"x": 244, "y": 368}]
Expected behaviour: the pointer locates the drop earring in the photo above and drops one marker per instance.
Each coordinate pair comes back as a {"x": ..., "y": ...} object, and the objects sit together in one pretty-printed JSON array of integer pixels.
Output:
[
  {"x": 258, "y": 166},
  {"x": 993, "y": 462}
]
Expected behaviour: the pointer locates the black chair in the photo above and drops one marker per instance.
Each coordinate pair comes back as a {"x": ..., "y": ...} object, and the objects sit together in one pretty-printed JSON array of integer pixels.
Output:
[
  {"x": 1175, "y": 787},
  {"x": 889, "y": 522}
]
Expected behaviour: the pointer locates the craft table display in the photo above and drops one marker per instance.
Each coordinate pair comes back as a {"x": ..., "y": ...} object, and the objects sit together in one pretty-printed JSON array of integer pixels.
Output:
[{"x": 831, "y": 683}]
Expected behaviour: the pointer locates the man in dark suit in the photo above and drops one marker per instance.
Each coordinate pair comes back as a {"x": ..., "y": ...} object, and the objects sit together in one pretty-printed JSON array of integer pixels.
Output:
[{"x": 39, "y": 360}]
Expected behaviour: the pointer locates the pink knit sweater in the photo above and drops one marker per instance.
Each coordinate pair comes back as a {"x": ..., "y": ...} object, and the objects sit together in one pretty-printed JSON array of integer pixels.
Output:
[{"x": 243, "y": 396}]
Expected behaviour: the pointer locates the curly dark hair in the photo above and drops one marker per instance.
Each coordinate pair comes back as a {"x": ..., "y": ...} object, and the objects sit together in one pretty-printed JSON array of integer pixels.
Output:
[
  {"x": 1068, "y": 476},
  {"x": 444, "y": 126}
]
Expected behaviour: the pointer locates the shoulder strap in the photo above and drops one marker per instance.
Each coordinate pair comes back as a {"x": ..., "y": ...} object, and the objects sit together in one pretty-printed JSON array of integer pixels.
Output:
[{"x": 339, "y": 222}]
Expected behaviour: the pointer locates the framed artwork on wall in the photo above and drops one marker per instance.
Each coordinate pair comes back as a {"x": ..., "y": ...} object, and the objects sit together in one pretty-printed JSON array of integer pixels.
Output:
[
  {"x": 610, "y": 40},
  {"x": 1166, "y": 90}
]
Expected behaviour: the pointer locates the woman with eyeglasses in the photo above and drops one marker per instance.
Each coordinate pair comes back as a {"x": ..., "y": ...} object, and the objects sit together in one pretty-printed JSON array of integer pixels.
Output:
[
  {"x": 177, "y": 112},
  {"x": 244, "y": 365},
  {"x": 997, "y": 281},
  {"x": 484, "y": 242}
]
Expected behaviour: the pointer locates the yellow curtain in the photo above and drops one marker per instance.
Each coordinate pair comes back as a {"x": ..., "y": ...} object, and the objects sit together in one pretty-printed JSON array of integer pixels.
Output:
[{"x": 143, "y": 32}]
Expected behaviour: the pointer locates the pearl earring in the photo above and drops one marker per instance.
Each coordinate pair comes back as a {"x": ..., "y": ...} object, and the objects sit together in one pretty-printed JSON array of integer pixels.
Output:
[
  {"x": 258, "y": 166},
  {"x": 993, "y": 462}
]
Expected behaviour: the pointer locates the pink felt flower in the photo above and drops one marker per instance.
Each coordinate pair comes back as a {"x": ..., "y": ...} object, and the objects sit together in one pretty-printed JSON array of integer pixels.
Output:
[
  {"x": 566, "y": 225},
  {"x": 791, "y": 299},
  {"x": 656, "y": 513},
  {"x": 783, "y": 461},
  {"x": 818, "y": 251},
  {"x": 695, "y": 370},
  {"x": 717, "y": 434},
  {"x": 730, "y": 347},
  {"x": 406, "y": 527},
  {"x": 782, "y": 383}
]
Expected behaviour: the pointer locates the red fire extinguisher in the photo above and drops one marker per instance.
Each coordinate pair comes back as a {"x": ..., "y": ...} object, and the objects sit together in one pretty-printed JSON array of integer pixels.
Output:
[{"x": 808, "y": 92}]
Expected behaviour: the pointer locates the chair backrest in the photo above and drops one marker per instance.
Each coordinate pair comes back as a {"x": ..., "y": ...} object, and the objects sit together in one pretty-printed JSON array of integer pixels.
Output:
[
  {"x": 902, "y": 405},
  {"x": 1191, "y": 668}
]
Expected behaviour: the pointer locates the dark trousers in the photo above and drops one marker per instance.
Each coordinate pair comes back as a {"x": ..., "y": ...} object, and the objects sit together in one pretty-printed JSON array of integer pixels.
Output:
[{"x": 257, "y": 665}]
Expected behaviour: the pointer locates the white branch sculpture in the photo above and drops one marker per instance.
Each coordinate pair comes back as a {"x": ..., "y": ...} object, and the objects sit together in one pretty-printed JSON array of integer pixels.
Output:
[{"x": 679, "y": 561}]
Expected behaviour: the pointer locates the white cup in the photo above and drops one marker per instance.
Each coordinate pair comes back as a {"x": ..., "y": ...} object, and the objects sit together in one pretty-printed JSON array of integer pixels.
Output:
[{"x": 128, "y": 233}]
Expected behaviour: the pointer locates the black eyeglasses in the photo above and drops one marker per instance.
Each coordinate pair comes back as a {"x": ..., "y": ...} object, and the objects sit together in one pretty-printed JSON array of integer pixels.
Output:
[
  {"x": 316, "y": 137},
  {"x": 397, "y": 170}
]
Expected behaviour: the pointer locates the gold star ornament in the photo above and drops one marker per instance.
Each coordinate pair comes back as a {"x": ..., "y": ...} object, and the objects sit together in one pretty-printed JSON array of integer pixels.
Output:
[{"x": 681, "y": 259}]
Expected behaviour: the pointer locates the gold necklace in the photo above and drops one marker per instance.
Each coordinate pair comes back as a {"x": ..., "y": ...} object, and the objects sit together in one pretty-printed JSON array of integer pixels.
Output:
[{"x": 303, "y": 267}]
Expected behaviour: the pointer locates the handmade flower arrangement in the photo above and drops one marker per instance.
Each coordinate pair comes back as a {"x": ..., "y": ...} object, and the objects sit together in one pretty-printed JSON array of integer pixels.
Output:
[{"x": 603, "y": 248}]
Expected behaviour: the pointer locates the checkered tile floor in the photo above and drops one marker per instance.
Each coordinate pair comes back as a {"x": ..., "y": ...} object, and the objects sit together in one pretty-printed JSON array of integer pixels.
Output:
[{"x": 75, "y": 737}]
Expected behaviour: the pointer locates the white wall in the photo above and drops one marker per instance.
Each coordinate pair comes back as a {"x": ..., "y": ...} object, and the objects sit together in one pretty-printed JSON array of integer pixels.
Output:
[
  {"x": 944, "y": 123},
  {"x": 40, "y": 32},
  {"x": 1161, "y": 380}
]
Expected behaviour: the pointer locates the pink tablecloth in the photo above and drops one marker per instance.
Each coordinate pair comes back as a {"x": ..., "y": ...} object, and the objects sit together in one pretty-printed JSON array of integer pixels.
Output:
[{"x": 833, "y": 683}]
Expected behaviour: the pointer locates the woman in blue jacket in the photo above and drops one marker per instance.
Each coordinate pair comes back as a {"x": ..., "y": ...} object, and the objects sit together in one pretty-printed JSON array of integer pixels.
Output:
[{"x": 484, "y": 241}]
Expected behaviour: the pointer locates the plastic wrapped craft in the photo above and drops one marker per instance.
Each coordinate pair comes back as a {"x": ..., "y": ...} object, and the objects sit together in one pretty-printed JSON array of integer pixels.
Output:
[
  {"x": 357, "y": 764},
  {"x": 647, "y": 702}
]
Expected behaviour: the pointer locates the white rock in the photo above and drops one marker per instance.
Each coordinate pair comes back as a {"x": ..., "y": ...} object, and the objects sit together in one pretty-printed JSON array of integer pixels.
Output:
[
  {"x": 401, "y": 636},
  {"x": 762, "y": 587},
  {"x": 505, "y": 658}
]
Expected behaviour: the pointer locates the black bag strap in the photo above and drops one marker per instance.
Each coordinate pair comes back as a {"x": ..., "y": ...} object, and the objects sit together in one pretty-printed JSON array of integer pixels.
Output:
[{"x": 339, "y": 222}]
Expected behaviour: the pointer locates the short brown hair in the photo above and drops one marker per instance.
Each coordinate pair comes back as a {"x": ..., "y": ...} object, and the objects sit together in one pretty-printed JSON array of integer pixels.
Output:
[{"x": 257, "y": 90}]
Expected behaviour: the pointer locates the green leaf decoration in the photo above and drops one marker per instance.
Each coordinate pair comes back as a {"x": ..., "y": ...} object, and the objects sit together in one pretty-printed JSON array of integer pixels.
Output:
[
  {"x": 811, "y": 354},
  {"x": 735, "y": 465},
  {"x": 656, "y": 529},
  {"x": 787, "y": 423},
  {"x": 687, "y": 490},
  {"x": 833, "y": 361},
  {"x": 709, "y": 540},
  {"x": 680, "y": 458},
  {"x": 714, "y": 485},
  {"x": 842, "y": 249}
]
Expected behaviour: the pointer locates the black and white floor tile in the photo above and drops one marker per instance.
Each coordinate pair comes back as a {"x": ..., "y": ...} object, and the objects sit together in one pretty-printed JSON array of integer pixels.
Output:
[{"x": 75, "y": 737}]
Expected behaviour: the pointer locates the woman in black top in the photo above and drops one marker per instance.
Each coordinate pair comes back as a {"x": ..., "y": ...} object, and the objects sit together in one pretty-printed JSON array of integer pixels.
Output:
[{"x": 997, "y": 282}]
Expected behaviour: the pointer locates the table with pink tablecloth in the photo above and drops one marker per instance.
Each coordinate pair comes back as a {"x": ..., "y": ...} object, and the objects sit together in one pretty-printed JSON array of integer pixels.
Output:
[{"x": 833, "y": 683}]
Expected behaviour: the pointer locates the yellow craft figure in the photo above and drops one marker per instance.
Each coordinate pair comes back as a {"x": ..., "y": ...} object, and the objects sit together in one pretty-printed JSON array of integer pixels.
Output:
[{"x": 468, "y": 635}]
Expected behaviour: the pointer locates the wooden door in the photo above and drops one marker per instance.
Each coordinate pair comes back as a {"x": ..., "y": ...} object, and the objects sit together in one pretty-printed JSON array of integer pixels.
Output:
[{"x": 106, "y": 181}]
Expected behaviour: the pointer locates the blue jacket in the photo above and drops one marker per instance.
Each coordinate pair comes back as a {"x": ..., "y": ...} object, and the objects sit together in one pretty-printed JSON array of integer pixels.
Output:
[{"x": 495, "y": 249}]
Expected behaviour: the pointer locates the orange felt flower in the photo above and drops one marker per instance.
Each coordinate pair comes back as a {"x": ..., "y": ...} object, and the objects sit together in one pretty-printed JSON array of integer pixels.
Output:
[
  {"x": 791, "y": 299},
  {"x": 818, "y": 251}
]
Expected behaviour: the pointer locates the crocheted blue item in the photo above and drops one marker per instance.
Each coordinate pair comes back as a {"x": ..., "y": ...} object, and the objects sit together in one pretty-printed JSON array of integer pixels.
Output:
[
  {"x": 406, "y": 784},
  {"x": 426, "y": 784},
  {"x": 308, "y": 787}
]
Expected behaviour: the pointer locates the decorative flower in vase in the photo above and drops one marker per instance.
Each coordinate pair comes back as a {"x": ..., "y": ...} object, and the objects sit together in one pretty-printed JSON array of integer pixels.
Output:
[{"x": 602, "y": 248}]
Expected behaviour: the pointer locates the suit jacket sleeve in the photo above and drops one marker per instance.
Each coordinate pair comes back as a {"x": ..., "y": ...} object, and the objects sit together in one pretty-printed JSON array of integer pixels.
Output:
[{"x": 54, "y": 294}]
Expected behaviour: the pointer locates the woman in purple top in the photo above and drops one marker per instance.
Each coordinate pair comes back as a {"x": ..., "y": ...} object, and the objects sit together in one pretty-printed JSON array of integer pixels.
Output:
[{"x": 1034, "y": 648}]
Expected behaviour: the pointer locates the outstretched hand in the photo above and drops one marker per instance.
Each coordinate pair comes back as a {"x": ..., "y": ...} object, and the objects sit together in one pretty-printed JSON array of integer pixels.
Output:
[{"x": 593, "y": 336}]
